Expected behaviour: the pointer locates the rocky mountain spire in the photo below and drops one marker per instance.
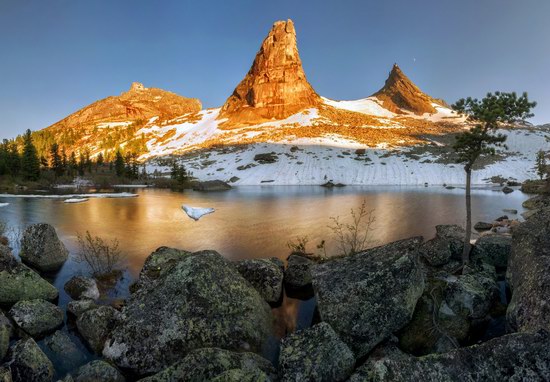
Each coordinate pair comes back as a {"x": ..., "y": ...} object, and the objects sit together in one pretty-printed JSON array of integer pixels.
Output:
[
  {"x": 401, "y": 94},
  {"x": 276, "y": 85}
]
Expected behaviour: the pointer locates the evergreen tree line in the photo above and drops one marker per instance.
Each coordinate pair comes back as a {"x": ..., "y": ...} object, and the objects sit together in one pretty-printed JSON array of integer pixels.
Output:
[{"x": 22, "y": 161}]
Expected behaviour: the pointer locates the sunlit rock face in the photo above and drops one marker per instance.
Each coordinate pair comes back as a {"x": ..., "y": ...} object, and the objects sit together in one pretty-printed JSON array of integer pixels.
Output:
[
  {"x": 400, "y": 95},
  {"x": 275, "y": 86}
]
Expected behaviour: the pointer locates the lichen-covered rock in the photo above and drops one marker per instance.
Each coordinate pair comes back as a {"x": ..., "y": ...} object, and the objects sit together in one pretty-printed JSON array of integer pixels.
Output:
[
  {"x": 5, "y": 374},
  {"x": 315, "y": 354},
  {"x": 158, "y": 264},
  {"x": 437, "y": 252},
  {"x": 42, "y": 249},
  {"x": 265, "y": 275},
  {"x": 298, "y": 271},
  {"x": 82, "y": 287},
  {"x": 96, "y": 325},
  {"x": 472, "y": 294},
  {"x": 98, "y": 371},
  {"x": 514, "y": 357},
  {"x": 5, "y": 334},
  {"x": 367, "y": 296},
  {"x": 77, "y": 307},
  {"x": 528, "y": 275},
  {"x": 454, "y": 235},
  {"x": 493, "y": 249},
  {"x": 537, "y": 202},
  {"x": 240, "y": 375},
  {"x": 201, "y": 301},
  {"x": 29, "y": 363},
  {"x": 37, "y": 317},
  {"x": 208, "y": 363},
  {"x": 19, "y": 282},
  {"x": 64, "y": 352}
]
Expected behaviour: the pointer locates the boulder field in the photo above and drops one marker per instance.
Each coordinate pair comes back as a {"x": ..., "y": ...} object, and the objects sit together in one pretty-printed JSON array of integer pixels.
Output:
[{"x": 404, "y": 311}]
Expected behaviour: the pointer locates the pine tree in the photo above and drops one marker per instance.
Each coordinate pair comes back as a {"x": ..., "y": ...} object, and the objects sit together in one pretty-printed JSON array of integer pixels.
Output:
[
  {"x": 73, "y": 164},
  {"x": 120, "y": 167},
  {"x": 30, "y": 163},
  {"x": 99, "y": 160},
  {"x": 487, "y": 114},
  {"x": 540, "y": 165},
  {"x": 56, "y": 162}
]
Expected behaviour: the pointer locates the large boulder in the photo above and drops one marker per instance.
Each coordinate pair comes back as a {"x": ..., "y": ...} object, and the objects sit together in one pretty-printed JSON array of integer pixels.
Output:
[
  {"x": 201, "y": 301},
  {"x": 78, "y": 307},
  {"x": 96, "y": 325},
  {"x": 42, "y": 249},
  {"x": 266, "y": 275},
  {"x": 367, "y": 296},
  {"x": 5, "y": 334},
  {"x": 5, "y": 374},
  {"x": 98, "y": 371},
  {"x": 528, "y": 275},
  {"x": 37, "y": 317},
  {"x": 315, "y": 354},
  {"x": 63, "y": 351},
  {"x": 242, "y": 375},
  {"x": 29, "y": 363},
  {"x": 454, "y": 235},
  {"x": 79, "y": 287},
  {"x": 515, "y": 357},
  {"x": 209, "y": 363},
  {"x": 493, "y": 249},
  {"x": 19, "y": 282},
  {"x": 158, "y": 264}
]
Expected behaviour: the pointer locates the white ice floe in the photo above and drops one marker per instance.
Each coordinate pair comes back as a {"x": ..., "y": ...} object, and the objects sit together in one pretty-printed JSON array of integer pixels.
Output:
[
  {"x": 71, "y": 196},
  {"x": 196, "y": 213},
  {"x": 76, "y": 200},
  {"x": 4, "y": 204}
]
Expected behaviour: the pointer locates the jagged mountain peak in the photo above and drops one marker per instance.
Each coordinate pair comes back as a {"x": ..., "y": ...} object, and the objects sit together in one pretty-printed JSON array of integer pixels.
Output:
[
  {"x": 399, "y": 94},
  {"x": 137, "y": 86},
  {"x": 275, "y": 87}
]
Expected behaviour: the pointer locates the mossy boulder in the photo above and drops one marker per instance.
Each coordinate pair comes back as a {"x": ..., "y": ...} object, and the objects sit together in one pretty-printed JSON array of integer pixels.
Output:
[
  {"x": 297, "y": 274},
  {"x": 201, "y": 301},
  {"x": 315, "y": 354},
  {"x": 208, "y": 363},
  {"x": 98, "y": 371},
  {"x": 79, "y": 287},
  {"x": 5, "y": 374},
  {"x": 37, "y": 317},
  {"x": 493, "y": 250},
  {"x": 368, "y": 296},
  {"x": 242, "y": 375},
  {"x": 78, "y": 307},
  {"x": 19, "y": 282},
  {"x": 514, "y": 357},
  {"x": 29, "y": 363},
  {"x": 42, "y": 249},
  {"x": 454, "y": 235},
  {"x": 528, "y": 275},
  {"x": 5, "y": 335},
  {"x": 158, "y": 264},
  {"x": 96, "y": 325},
  {"x": 265, "y": 275}
]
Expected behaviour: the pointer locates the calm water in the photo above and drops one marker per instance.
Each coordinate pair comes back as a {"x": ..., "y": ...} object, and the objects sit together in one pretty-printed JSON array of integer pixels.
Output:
[{"x": 250, "y": 222}]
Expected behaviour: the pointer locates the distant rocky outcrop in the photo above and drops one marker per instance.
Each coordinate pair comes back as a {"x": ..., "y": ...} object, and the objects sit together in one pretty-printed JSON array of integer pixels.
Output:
[
  {"x": 400, "y": 94},
  {"x": 275, "y": 87}
]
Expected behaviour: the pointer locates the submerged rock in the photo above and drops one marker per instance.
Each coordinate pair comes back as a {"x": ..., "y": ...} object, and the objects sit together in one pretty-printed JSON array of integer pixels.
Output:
[
  {"x": 37, "y": 317},
  {"x": 200, "y": 301},
  {"x": 19, "y": 282},
  {"x": 42, "y": 249},
  {"x": 483, "y": 226},
  {"x": 315, "y": 354},
  {"x": 98, "y": 371},
  {"x": 96, "y": 325},
  {"x": 265, "y": 275},
  {"x": 515, "y": 357},
  {"x": 82, "y": 287},
  {"x": 209, "y": 363},
  {"x": 528, "y": 275},
  {"x": 63, "y": 351},
  {"x": 493, "y": 249},
  {"x": 367, "y": 296},
  {"x": 29, "y": 363}
]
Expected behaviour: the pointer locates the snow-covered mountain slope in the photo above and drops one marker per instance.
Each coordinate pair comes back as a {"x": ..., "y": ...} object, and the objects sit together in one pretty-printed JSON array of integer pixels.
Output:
[{"x": 317, "y": 160}]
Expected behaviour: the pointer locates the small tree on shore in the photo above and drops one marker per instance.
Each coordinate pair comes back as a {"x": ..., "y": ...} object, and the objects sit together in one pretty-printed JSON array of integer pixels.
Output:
[
  {"x": 488, "y": 115},
  {"x": 540, "y": 165},
  {"x": 30, "y": 163}
]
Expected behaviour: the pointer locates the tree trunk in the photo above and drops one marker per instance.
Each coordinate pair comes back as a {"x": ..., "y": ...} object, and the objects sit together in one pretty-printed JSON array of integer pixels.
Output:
[{"x": 466, "y": 250}]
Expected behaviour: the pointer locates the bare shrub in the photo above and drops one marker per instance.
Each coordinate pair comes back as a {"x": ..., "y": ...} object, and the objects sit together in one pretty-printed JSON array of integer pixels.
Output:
[
  {"x": 101, "y": 256},
  {"x": 298, "y": 245},
  {"x": 355, "y": 236}
]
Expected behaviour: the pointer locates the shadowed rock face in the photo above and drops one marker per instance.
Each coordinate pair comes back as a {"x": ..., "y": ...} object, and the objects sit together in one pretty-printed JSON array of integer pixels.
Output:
[
  {"x": 401, "y": 94},
  {"x": 275, "y": 86}
]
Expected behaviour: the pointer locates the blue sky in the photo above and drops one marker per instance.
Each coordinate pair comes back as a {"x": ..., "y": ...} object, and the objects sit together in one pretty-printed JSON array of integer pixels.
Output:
[{"x": 57, "y": 56}]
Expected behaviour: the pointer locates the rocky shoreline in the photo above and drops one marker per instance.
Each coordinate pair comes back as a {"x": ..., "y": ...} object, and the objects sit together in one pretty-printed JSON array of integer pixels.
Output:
[{"x": 404, "y": 311}]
